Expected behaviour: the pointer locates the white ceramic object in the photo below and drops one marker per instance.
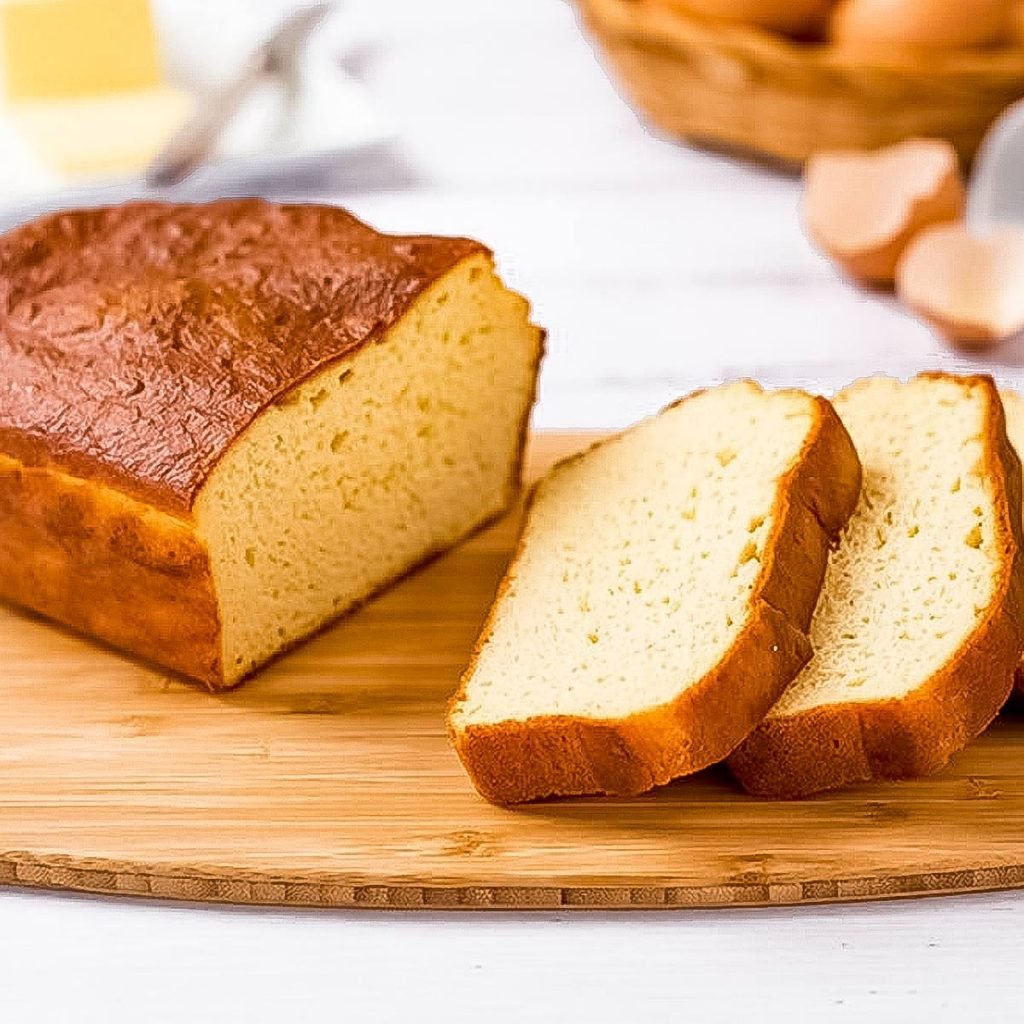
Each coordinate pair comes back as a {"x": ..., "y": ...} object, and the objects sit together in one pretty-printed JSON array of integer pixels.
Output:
[{"x": 996, "y": 194}]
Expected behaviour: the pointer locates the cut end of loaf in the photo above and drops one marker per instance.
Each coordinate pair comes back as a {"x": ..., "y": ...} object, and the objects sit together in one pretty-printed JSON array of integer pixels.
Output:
[
  {"x": 632, "y": 640},
  {"x": 370, "y": 466},
  {"x": 918, "y": 626}
]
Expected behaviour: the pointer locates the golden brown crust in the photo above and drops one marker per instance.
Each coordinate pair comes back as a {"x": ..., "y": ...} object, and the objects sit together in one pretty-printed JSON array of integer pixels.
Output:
[
  {"x": 826, "y": 747},
  {"x": 138, "y": 342},
  {"x": 512, "y": 762},
  {"x": 108, "y": 565}
]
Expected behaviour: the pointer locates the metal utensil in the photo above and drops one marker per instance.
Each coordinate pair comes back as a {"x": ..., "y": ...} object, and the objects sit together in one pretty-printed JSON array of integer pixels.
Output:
[{"x": 276, "y": 57}]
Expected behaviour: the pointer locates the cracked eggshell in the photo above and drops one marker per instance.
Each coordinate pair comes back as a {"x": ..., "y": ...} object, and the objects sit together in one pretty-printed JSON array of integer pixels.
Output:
[
  {"x": 862, "y": 208},
  {"x": 970, "y": 289}
]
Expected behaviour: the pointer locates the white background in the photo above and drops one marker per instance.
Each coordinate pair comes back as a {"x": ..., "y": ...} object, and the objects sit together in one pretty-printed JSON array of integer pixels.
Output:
[{"x": 655, "y": 268}]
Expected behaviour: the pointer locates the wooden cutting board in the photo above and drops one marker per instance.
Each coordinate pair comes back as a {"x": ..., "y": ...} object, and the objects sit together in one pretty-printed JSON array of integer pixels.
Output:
[{"x": 328, "y": 781}]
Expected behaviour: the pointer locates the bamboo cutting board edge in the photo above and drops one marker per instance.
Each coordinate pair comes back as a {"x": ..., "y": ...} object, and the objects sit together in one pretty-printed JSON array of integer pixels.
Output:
[
  {"x": 117, "y": 780},
  {"x": 237, "y": 887}
]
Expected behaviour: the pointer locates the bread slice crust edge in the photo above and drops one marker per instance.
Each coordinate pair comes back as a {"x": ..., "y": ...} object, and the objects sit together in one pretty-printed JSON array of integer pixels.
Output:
[
  {"x": 836, "y": 745},
  {"x": 560, "y": 755}
]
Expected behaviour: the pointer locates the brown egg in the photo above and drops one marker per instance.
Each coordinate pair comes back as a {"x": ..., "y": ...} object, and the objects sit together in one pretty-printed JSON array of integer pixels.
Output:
[
  {"x": 862, "y": 208},
  {"x": 921, "y": 24},
  {"x": 970, "y": 289},
  {"x": 789, "y": 16}
]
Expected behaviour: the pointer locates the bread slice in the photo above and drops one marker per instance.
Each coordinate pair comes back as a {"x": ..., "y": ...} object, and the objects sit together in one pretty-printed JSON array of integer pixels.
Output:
[
  {"x": 919, "y": 625},
  {"x": 1013, "y": 406},
  {"x": 658, "y": 601}
]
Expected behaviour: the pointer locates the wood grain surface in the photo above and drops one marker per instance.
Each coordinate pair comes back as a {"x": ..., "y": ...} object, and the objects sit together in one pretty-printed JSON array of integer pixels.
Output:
[{"x": 328, "y": 781}]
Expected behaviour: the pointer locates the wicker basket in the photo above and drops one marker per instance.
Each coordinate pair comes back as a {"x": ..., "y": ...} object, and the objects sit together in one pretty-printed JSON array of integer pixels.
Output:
[{"x": 744, "y": 88}]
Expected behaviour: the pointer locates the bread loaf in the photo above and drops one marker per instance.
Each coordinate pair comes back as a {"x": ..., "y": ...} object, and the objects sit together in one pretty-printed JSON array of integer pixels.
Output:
[
  {"x": 920, "y": 621},
  {"x": 223, "y": 426},
  {"x": 658, "y": 601}
]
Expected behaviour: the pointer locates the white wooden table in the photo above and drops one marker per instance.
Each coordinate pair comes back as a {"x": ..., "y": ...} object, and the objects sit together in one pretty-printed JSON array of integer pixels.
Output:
[{"x": 656, "y": 269}]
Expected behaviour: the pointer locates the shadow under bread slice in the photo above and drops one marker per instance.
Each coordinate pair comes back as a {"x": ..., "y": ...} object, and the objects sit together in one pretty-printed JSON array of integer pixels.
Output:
[
  {"x": 658, "y": 600},
  {"x": 918, "y": 629}
]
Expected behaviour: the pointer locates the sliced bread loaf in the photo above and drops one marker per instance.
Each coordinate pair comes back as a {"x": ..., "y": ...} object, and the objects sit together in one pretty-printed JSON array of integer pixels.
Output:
[
  {"x": 919, "y": 624},
  {"x": 658, "y": 601}
]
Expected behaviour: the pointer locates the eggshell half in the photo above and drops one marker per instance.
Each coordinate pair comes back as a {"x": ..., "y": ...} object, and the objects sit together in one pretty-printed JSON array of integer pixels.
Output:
[
  {"x": 862, "y": 208},
  {"x": 970, "y": 289}
]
